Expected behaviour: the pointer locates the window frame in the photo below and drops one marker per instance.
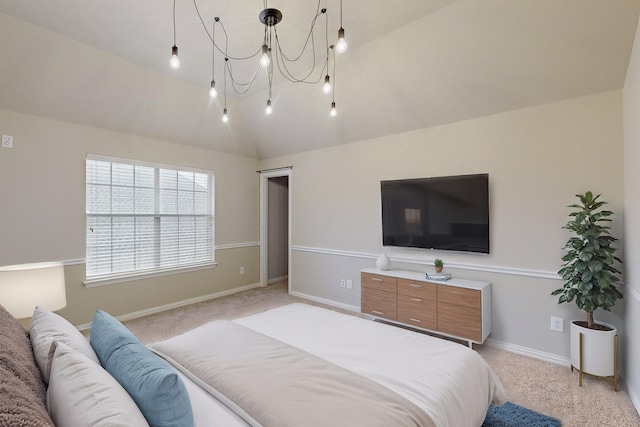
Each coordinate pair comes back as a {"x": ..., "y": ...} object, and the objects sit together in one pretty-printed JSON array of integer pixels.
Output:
[{"x": 156, "y": 271}]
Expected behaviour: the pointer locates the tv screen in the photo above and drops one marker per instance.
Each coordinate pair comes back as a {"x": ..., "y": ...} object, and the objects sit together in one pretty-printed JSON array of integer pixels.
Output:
[{"x": 444, "y": 213}]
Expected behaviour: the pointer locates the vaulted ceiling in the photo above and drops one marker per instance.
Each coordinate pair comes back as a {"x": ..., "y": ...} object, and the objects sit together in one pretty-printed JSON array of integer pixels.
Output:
[{"x": 410, "y": 64}]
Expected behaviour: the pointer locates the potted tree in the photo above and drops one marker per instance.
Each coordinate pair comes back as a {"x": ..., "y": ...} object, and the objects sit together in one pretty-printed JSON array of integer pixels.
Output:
[{"x": 590, "y": 278}]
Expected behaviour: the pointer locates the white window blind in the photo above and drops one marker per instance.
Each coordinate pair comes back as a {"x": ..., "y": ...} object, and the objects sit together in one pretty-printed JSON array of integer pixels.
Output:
[{"x": 146, "y": 218}]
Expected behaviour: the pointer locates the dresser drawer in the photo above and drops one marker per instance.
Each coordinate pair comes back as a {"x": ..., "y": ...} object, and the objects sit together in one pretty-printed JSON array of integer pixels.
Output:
[
  {"x": 460, "y": 320},
  {"x": 379, "y": 303},
  {"x": 459, "y": 308},
  {"x": 417, "y": 311},
  {"x": 378, "y": 282},
  {"x": 417, "y": 289},
  {"x": 459, "y": 296}
]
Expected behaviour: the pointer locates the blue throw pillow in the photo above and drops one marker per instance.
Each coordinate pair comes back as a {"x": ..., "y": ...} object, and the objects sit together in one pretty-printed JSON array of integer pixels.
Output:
[{"x": 156, "y": 388}]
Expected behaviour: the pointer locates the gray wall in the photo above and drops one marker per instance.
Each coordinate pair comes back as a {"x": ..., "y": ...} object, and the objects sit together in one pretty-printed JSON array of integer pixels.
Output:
[
  {"x": 278, "y": 233},
  {"x": 632, "y": 222},
  {"x": 42, "y": 206},
  {"x": 537, "y": 159}
]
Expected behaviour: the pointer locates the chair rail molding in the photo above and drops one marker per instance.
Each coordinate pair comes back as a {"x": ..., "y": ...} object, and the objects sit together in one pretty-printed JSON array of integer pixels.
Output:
[{"x": 540, "y": 274}]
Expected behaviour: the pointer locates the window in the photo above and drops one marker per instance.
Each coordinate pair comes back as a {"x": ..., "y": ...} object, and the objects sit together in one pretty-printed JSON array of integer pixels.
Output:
[{"x": 146, "y": 218}]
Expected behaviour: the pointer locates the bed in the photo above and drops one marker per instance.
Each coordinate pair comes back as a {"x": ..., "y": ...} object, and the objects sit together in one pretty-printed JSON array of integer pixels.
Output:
[{"x": 293, "y": 365}]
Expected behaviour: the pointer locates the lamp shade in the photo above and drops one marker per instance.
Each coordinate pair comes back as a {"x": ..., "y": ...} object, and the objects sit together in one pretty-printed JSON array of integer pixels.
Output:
[{"x": 25, "y": 286}]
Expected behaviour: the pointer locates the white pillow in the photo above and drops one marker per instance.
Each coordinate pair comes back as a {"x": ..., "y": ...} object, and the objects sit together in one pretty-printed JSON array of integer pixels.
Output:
[
  {"x": 47, "y": 327},
  {"x": 82, "y": 394}
]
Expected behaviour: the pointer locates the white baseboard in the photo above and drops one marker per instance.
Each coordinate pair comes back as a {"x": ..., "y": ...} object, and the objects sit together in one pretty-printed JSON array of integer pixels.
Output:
[
  {"x": 329, "y": 302},
  {"x": 530, "y": 352},
  {"x": 178, "y": 304}
]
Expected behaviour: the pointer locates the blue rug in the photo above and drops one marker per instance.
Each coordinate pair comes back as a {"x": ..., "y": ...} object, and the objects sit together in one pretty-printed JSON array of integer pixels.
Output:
[{"x": 512, "y": 415}]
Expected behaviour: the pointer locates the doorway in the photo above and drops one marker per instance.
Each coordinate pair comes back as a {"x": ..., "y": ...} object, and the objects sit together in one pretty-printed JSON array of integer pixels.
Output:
[{"x": 275, "y": 227}]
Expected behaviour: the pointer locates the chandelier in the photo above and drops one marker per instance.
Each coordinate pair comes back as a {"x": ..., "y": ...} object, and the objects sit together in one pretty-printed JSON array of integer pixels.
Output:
[{"x": 270, "y": 56}]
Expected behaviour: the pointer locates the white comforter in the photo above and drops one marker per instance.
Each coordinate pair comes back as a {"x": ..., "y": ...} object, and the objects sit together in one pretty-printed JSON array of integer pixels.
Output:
[{"x": 449, "y": 381}]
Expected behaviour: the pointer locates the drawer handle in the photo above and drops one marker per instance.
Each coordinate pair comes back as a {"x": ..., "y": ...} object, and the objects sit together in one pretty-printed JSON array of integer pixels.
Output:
[
  {"x": 415, "y": 320},
  {"x": 416, "y": 299},
  {"x": 375, "y": 279},
  {"x": 377, "y": 312},
  {"x": 413, "y": 285},
  {"x": 457, "y": 292}
]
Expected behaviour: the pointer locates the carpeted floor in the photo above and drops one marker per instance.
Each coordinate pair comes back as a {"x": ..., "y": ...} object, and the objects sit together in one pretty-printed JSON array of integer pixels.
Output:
[{"x": 543, "y": 387}]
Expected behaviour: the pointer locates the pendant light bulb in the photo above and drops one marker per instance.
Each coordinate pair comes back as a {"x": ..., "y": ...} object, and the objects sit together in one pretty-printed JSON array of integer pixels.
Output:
[
  {"x": 264, "y": 60},
  {"x": 326, "y": 88},
  {"x": 175, "y": 62},
  {"x": 333, "y": 111},
  {"x": 341, "y": 46},
  {"x": 268, "y": 110},
  {"x": 225, "y": 116},
  {"x": 213, "y": 92}
]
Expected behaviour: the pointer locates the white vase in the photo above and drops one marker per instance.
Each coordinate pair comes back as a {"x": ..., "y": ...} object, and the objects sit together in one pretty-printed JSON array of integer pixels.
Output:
[
  {"x": 598, "y": 349},
  {"x": 383, "y": 262}
]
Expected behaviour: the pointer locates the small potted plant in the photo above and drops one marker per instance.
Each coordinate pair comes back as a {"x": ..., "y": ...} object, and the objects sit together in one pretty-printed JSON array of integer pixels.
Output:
[
  {"x": 438, "y": 264},
  {"x": 590, "y": 278}
]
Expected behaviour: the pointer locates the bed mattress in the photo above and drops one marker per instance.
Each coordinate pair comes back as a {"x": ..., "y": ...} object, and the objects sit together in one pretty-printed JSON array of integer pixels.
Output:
[{"x": 451, "y": 383}]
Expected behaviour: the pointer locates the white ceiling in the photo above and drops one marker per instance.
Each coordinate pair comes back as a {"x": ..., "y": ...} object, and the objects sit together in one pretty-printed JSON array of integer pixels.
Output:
[{"x": 410, "y": 64}]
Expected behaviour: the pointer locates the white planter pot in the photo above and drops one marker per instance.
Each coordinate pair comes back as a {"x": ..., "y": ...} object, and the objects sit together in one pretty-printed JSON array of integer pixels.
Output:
[{"x": 598, "y": 350}]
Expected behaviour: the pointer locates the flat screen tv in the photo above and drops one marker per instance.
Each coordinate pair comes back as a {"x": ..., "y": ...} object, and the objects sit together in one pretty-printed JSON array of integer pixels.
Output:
[{"x": 444, "y": 213}]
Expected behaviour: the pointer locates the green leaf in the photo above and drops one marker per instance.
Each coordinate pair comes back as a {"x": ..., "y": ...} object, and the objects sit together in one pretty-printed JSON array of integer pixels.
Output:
[
  {"x": 585, "y": 256},
  {"x": 595, "y": 266},
  {"x": 581, "y": 287}
]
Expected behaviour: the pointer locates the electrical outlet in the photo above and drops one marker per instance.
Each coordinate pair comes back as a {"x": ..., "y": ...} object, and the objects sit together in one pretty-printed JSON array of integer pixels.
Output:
[
  {"x": 241, "y": 270},
  {"x": 557, "y": 324},
  {"x": 343, "y": 283},
  {"x": 7, "y": 141},
  {"x": 349, "y": 284}
]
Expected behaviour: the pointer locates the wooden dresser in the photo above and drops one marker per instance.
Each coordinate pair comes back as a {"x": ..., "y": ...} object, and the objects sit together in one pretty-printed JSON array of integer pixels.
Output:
[{"x": 459, "y": 308}]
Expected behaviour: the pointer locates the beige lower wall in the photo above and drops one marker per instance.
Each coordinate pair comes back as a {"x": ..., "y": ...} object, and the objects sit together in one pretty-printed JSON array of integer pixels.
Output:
[
  {"x": 140, "y": 295},
  {"x": 631, "y": 347},
  {"x": 522, "y": 304},
  {"x": 319, "y": 275}
]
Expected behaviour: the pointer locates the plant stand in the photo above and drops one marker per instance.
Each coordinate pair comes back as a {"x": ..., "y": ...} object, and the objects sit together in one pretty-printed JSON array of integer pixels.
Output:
[{"x": 613, "y": 378}]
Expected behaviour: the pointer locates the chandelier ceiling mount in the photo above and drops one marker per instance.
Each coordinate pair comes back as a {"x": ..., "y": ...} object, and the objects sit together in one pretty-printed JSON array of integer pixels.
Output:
[{"x": 270, "y": 17}]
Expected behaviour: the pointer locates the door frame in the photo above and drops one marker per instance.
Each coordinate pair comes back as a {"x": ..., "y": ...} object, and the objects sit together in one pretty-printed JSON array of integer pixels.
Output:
[{"x": 264, "y": 223}]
